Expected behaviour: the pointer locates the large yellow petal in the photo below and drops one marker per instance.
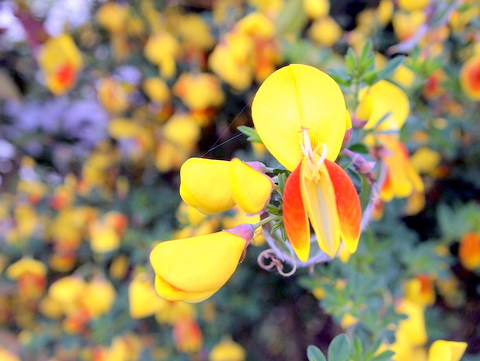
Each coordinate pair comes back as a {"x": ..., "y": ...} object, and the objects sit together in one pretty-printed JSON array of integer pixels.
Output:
[
  {"x": 294, "y": 98},
  {"x": 251, "y": 190},
  {"x": 205, "y": 185},
  {"x": 193, "y": 269},
  {"x": 442, "y": 350},
  {"x": 383, "y": 102},
  {"x": 320, "y": 202}
]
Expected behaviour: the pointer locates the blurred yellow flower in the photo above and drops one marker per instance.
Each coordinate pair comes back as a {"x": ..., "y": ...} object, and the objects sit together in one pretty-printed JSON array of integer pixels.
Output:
[
  {"x": 113, "y": 16},
  {"x": 161, "y": 49},
  {"x": 113, "y": 95},
  {"x": 107, "y": 231},
  {"x": 316, "y": 8},
  {"x": 199, "y": 91},
  {"x": 98, "y": 296},
  {"x": 156, "y": 89},
  {"x": 420, "y": 290},
  {"x": 60, "y": 61},
  {"x": 442, "y": 350},
  {"x": 142, "y": 298},
  {"x": 178, "y": 140},
  {"x": 193, "y": 269},
  {"x": 412, "y": 5},
  {"x": 325, "y": 31},
  {"x": 227, "y": 350}
]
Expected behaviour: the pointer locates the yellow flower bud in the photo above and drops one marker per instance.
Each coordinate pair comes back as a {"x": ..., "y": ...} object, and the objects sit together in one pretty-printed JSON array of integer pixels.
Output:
[{"x": 193, "y": 269}]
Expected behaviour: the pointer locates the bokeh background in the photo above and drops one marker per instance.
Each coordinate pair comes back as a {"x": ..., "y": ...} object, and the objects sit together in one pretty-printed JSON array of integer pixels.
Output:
[{"x": 102, "y": 101}]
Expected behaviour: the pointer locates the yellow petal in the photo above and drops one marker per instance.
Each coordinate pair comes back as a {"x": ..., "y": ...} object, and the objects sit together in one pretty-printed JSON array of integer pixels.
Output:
[
  {"x": 294, "y": 98},
  {"x": 205, "y": 185},
  {"x": 319, "y": 198},
  {"x": 193, "y": 269},
  {"x": 250, "y": 189},
  {"x": 383, "y": 102},
  {"x": 446, "y": 351}
]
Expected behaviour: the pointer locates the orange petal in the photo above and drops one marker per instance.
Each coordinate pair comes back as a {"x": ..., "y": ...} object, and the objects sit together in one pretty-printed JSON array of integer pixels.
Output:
[
  {"x": 295, "y": 216},
  {"x": 348, "y": 205}
]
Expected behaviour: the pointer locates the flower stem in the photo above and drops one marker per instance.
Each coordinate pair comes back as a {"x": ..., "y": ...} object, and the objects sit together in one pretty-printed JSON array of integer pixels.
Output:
[{"x": 270, "y": 218}]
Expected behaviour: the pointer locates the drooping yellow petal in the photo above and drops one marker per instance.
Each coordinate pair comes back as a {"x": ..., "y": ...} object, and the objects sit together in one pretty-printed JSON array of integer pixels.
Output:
[
  {"x": 193, "y": 269},
  {"x": 319, "y": 198},
  {"x": 442, "y": 350},
  {"x": 250, "y": 189},
  {"x": 295, "y": 217},
  {"x": 294, "y": 98},
  {"x": 205, "y": 185},
  {"x": 383, "y": 102}
]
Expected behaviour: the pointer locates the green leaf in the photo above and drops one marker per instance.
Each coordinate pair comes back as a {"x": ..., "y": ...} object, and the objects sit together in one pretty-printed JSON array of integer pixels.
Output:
[
  {"x": 357, "y": 349},
  {"x": 384, "y": 356},
  {"x": 251, "y": 133},
  {"x": 314, "y": 354},
  {"x": 366, "y": 52},
  {"x": 340, "y": 76},
  {"x": 351, "y": 59},
  {"x": 365, "y": 193},
  {"x": 391, "y": 66},
  {"x": 339, "y": 349},
  {"x": 359, "y": 148}
]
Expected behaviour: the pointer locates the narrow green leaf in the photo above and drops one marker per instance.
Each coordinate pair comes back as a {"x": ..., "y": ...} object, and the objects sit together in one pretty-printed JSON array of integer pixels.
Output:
[
  {"x": 314, "y": 354},
  {"x": 366, "y": 51},
  {"x": 384, "y": 356},
  {"x": 251, "y": 133},
  {"x": 340, "y": 76},
  {"x": 339, "y": 349},
  {"x": 365, "y": 193},
  {"x": 359, "y": 148},
  {"x": 351, "y": 59},
  {"x": 391, "y": 66}
]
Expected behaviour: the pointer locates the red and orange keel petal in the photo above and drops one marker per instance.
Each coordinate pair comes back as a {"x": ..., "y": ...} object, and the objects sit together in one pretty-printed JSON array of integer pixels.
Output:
[
  {"x": 348, "y": 205},
  {"x": 295, "y": 217}
]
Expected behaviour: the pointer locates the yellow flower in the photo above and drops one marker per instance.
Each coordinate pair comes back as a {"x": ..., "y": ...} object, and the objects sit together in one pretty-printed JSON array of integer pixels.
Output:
[
  {"x": 425, "y": 160},
  {"x": 171, "y": 312},
  {"x": 406, "y": 24},
  {"x": 469, "y": 251},
  {"x": 142, "y": 299},
  {"x": 157, "y": 89},
  {"x": 179, "y": 139},
  {"x": 161, "y": 49},
  {"x": 420, "y": 290},
  {"x": 199, "y": 91},
  {"x": 112, "y": 95},
  {"x": 113, "y": 16},
  {"x": 98, "y": 297},
  {"x": 412, "y": 5},
  {"x": 227, "y": 350},
  {"x": 383, "y": 102},
  {"x": 195, "y": 32},
  {"x": 236, "y": 183},
  {"x": 299, "y": 113},
  {"x": 193, "y": 269},
  {"x": 60, "y": 61},
  {"x": 232, "y": 60},
  {"x": 470, "y": 77},
  {"x": 442, "y": 350},
  {"x": 316, "y": 8},
  {"x": 325, "y": 31},
  {"x": 106, "y": 233}
]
